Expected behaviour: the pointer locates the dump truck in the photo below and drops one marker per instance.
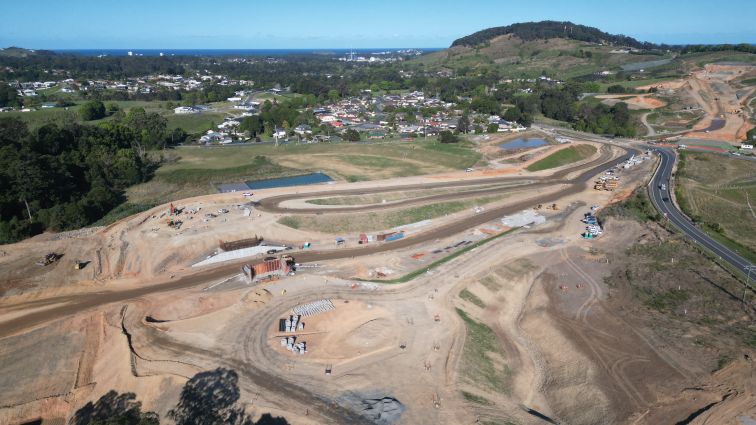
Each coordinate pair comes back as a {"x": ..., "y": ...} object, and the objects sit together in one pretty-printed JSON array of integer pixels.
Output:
[{"x": 268, "y": 268}]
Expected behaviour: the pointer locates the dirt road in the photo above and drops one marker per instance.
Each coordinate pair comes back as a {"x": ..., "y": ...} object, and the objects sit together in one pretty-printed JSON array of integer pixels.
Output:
[
  {"x": 273, "y": 204},
  {"x": 60, "y": 307}
]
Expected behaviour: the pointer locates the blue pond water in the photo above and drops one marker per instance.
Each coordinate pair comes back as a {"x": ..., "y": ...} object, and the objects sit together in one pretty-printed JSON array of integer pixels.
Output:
[
  {"x": 311, "y": 178},
  {"x": 522, "y": 143}
]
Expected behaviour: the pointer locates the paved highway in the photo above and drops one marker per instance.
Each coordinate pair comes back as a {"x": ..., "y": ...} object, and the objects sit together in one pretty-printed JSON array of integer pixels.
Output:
[{"x": 659, "y": 191}]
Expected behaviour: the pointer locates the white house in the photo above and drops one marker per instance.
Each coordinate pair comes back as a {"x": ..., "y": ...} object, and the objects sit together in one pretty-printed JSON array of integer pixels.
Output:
[{"x": 303, "y": 129}]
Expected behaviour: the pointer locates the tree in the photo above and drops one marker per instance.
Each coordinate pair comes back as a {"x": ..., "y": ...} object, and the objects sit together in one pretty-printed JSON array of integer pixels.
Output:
[
  {"x": 150, "y": 126},
  {"x": 352, "y": 135},
  {"x": 333, "y": 95},
  {"x": 447, "y": 136},
  {"x": 8, "y": 96},
  {"x": 252, "y": 125},
  {"x": 113, "y": 108},
  {"x": 557, "y": 104},
  {"x": 616, "y": 88},
  {"x": 492, "y": 128},
  {"x": 463, "y": 124},
  {"x": 92, "y": 110},
  {"x": 485, "y": 105},
  {"x": 64, "y": 177}
]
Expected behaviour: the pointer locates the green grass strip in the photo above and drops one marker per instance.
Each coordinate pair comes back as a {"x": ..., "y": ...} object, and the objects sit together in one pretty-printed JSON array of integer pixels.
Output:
[{"x": 411, "y": 275}]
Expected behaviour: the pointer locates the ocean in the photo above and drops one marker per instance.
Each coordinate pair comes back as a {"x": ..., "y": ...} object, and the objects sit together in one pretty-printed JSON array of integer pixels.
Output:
[{"x": 235, "y": 52}]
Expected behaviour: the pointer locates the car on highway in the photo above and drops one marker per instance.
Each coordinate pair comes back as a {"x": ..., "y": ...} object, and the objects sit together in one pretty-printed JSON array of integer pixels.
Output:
[{"x": 663, "y": 186}]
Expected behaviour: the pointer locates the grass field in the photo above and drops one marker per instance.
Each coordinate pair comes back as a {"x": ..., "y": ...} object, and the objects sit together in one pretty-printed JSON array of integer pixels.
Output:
[
  {"x": 174, "y": 181},
  {"x": 482, "y": 365},
  {"x": 563, "y": 157},
  {"x": 383, "y": 220},
  {"x": 192, "y": 123},
  {"x": 470, "y": 297},
  {"x": 192, "y": 171},
  {"x": 715, "y": 190},
  {"x": 473, "y": 398}
]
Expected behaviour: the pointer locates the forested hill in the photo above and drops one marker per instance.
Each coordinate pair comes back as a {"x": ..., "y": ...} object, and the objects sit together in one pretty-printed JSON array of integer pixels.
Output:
[{"x": 552, "y": 29}]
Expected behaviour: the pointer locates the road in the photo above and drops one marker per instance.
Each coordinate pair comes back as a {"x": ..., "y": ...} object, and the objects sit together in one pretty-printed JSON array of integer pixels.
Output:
[
  {"x": 273, "y": 204},
  {"x": 662, "y": 202},
  {"x": 43, "y": 311},
  {"x": 644, "y": 120}
]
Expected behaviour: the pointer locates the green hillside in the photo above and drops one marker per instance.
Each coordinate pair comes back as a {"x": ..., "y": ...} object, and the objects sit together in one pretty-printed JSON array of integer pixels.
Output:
[
  {"x": 529, "y": 31},
  {"x": 561, "y": 57}
]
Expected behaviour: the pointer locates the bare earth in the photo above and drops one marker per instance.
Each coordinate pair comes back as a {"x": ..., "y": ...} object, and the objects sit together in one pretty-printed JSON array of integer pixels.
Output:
[{"x": 561, "y": 348}]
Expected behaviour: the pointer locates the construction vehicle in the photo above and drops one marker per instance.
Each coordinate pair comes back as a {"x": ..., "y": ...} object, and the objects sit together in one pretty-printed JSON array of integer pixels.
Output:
[
  {"x": 174, "y": 223},
  {"x": 48, "y": 259},
  {"x": 78, "y": 264},
  {"x": 269, "y": 269}
]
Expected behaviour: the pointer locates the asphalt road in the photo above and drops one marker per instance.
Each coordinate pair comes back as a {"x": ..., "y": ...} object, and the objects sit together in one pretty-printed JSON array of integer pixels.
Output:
[
  {"x": 43, "y": 311},
  {"x": 663, "y": 203}
]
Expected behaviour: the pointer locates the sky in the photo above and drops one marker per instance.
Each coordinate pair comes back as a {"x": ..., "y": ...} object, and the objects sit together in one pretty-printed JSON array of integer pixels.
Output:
[{"x": 308, "y": 24}]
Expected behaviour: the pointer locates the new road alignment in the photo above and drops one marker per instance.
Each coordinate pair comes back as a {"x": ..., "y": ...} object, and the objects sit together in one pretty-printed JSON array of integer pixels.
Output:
[
  {"x": 662, "y": 201},
  {"x": 273, "y": 203},
  {"x": 60, "y": 307}
]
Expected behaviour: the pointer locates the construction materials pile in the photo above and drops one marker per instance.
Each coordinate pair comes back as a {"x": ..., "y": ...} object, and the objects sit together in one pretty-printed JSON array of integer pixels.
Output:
[
  {"x": 608, "y": 181},
  {"x": 48, "y": 259},
  {"x": 525, "y": 218},
  {"x": 291, "y": 344},
  {"x": 386, "y": 410},
  {"x": 243, "y": 243},
  {"x": 593, "y": 229},
  {"x": 313, "y": 308},
  {"x": 291, "y": 324}
]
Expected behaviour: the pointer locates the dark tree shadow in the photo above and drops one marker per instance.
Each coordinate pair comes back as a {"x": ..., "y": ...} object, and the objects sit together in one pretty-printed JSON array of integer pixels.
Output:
[
  {"x": 268, "y": 419},
  {"x": 114, "y": 408},
  {"x": 209, "y": 398}
]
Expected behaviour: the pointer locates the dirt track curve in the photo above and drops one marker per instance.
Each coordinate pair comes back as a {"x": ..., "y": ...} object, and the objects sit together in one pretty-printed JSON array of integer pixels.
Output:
[{"x": 273, "y": 203}]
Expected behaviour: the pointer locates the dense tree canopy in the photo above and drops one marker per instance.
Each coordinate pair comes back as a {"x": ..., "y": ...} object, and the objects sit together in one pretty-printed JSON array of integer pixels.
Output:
[
  {"x": 69, "y": 176},
  {"x": 8, "y": 96},
  {"x": 552, "y": 29},
  {"x": 93, "y": 110}
]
